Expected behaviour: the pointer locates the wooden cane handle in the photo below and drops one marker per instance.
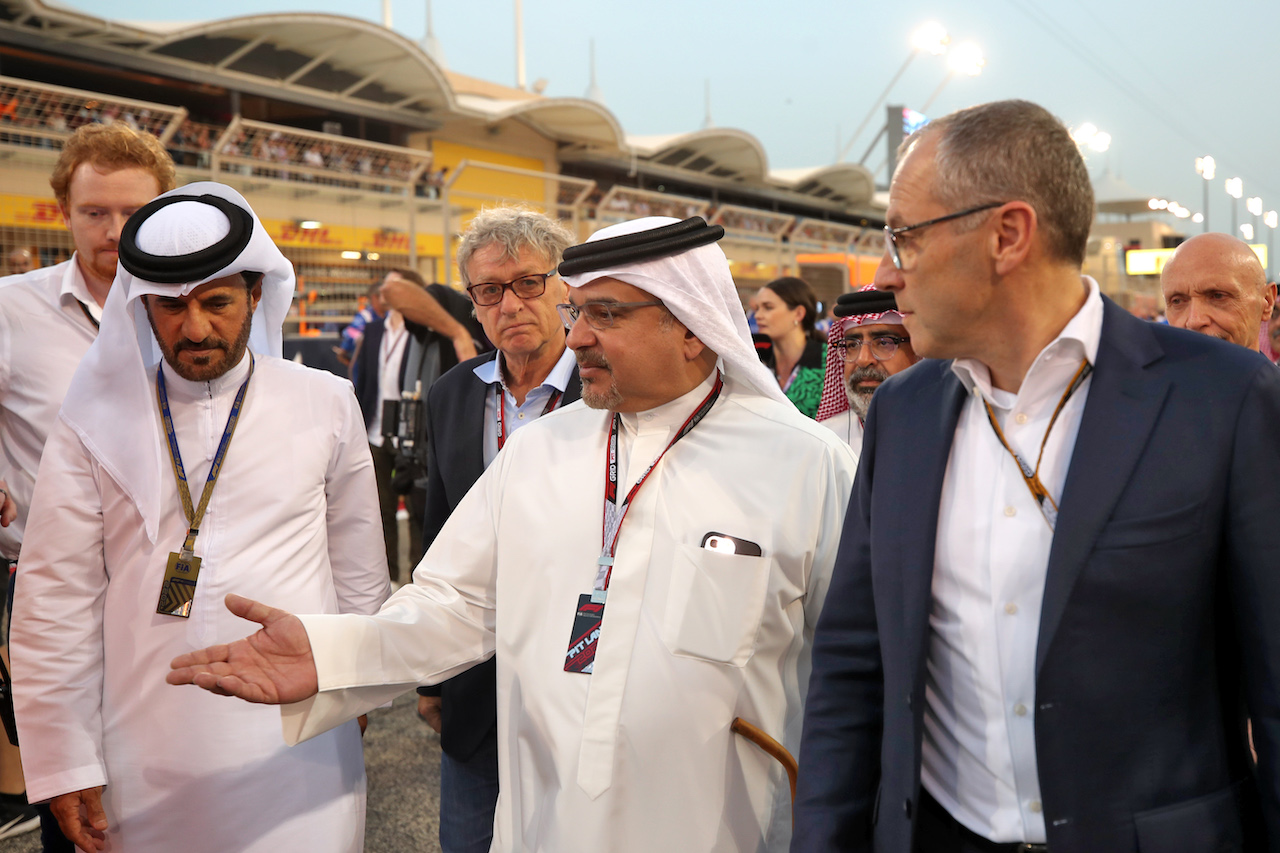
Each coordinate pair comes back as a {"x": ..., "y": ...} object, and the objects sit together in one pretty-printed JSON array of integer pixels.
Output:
[{"x": 771, "y": 746}]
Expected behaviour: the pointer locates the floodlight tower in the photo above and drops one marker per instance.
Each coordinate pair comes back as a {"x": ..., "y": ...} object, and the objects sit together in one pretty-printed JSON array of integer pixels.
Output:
[{"x": 930, "y": 38}]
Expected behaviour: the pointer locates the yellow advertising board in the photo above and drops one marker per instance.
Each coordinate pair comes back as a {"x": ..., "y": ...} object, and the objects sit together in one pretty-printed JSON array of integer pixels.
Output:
[
  {"x": 1152, "y": 261},
  {"x": 32, "y": 212}
]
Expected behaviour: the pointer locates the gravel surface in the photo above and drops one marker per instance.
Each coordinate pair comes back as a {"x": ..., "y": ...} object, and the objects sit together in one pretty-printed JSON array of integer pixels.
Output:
[{"x": 402, "y": 758}]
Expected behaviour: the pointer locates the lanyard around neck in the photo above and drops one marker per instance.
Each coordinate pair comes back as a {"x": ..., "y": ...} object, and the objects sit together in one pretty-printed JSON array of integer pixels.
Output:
[
  {"x": 196, "y": 514},
  {"x": 502, "y": 420},
  {"x": 614, "y": 514},
  {"x": 1031, "y": 476}
]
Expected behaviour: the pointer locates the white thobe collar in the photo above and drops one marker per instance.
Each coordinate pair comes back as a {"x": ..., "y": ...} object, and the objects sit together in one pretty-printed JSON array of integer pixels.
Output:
[
  {"x": 670, "y": 416},
  {"x": 1078, "y": 339},
  {"x": 74, "y": 288},
  {"x": 185, "y": 390}
]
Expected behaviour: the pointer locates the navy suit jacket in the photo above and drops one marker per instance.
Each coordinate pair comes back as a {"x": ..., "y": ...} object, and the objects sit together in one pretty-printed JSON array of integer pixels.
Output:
[
  {"x": 455, "y": 460},
  {"x": 1160, "y": 626}
]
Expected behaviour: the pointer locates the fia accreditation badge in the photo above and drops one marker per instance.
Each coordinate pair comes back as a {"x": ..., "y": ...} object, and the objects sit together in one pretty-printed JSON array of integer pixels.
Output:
[
  {"x": 179, "y": 588},
  {"x": 581, "y": 656}
]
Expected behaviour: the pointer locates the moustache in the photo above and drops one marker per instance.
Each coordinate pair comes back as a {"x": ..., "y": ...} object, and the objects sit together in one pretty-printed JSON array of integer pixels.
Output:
[
  {"x": 207, "y": 343},
  {"x": 861, "y": 374},
  {"x": 587, "y": 358}
]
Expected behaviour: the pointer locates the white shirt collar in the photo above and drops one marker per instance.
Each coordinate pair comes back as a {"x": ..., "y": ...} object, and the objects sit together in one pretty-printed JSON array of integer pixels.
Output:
[
  {"x": 490, "y": 372},
  {"x": 74, "y": 287},
  {"x": 1078, "y": 339}
]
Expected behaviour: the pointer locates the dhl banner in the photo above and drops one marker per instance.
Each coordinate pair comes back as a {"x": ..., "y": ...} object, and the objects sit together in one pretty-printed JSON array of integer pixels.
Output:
[{"x": 32, "y": 212}]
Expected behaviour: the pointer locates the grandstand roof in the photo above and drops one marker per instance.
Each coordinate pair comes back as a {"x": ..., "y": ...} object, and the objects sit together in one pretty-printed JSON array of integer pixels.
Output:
[
  {"x": 847, "y": 183},
  {"x": 323, "y": 60},
  {"x": 719, "y": 152}
]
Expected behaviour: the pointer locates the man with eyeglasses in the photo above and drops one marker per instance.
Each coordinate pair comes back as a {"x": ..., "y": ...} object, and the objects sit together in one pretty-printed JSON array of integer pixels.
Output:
[
  {"x": 647, "y": 567},
  {"x": 507, "y": 259},
  {"x": 866, "y": 344},
  {"x": 1054, "y": 610}
]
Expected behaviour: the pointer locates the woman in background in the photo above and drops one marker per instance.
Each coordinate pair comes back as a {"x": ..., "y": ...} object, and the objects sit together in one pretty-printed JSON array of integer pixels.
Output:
[{"x": 786, "y": 310}]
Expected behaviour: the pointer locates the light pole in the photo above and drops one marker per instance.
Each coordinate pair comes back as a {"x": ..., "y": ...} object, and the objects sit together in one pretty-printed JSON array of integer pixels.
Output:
[
  {"x": 1235, "y": 189},
  {"x": 1272, "y": 219},
  {"x": 931, "y": 38},
  {"x": 1205, "y": 167},
  {"x": 1254, "y": 205},
  {"x": 966, "y": 59}
]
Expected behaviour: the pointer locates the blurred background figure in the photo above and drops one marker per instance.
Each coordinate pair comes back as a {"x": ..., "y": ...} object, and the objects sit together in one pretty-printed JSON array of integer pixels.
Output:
[
  {"x": 373, "y": 309},
  {"x": 22, "y": 260},
  {"x": 786, "y": 309}
]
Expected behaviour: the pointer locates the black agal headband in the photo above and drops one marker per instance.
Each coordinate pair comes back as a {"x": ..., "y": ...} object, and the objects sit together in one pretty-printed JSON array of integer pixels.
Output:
[
  {"x": 180, "y": 269},
  {"x": 864, "y": 302},
  {"x": 641, "y": 246}
]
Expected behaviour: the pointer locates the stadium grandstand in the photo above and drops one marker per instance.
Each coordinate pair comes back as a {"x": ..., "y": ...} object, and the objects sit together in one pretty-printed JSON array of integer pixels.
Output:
[{"x": 361, "y": 153}]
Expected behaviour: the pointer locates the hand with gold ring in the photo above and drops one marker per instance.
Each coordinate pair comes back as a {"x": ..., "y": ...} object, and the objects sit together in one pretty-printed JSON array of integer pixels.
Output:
[{"x": 8, "y": 509}]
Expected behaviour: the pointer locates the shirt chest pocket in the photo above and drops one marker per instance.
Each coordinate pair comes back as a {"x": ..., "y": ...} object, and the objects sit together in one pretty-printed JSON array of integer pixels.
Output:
[{"x": 715, "y": 605}]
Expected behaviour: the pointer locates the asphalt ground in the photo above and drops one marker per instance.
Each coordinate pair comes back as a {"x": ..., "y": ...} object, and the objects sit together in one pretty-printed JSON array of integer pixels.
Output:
[{"x": 402, "y": 760}]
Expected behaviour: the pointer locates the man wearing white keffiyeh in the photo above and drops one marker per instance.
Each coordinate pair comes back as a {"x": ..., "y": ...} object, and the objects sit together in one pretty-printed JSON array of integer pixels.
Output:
[
  {"x": 648, "y": 564},
  {"x": 130, "y": 549}
]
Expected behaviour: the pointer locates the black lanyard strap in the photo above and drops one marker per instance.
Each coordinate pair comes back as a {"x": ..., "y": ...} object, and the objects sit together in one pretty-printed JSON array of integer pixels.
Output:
[
  {"x": 196, "y": 514},
  {"x": 1031, "y": 476}
]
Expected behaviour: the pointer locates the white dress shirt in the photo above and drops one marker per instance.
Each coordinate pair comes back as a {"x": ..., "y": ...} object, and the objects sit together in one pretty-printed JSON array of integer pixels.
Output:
[
  {"x": 515, "y": 416},
  {"x": 44, "y": 333},
  {"x": 390, "y": 353},
  {"x": 979, "y": 751}
]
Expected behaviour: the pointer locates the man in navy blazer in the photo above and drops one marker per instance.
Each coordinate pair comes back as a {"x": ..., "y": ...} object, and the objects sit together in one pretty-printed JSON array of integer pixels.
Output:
[
  {"x": 1053, "y": 612},
  {"x": 507, "y": 258}
]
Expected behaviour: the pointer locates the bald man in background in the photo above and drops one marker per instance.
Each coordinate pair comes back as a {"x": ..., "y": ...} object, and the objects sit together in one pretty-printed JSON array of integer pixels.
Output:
[{"x": 1215, "y": 285}]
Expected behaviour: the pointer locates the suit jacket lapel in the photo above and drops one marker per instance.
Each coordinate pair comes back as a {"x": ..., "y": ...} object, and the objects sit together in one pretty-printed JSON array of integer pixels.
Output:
[
  {"x": 926, "y": 450},
  {"x": 472, "y": 415},
  {"x": 1124, "y": 401}
]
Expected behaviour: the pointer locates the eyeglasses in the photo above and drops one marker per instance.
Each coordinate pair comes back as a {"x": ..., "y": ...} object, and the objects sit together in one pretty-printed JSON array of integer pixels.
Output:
[
  {"x": 526, "y": 287},
  {"x": 891, "y": 234},
  {"x": 600, "y": 315},
  {"x": 882, "y": 347}
]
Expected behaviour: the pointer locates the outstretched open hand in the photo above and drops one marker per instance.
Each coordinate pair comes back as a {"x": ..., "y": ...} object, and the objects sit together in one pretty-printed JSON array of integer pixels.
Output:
[{"x": 272, "y": 666}]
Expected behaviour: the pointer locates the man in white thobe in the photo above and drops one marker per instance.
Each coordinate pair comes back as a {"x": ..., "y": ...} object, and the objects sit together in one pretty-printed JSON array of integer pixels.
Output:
[
  {"x": 292, "y": 515},
  {"x": 611, "y": 736}
]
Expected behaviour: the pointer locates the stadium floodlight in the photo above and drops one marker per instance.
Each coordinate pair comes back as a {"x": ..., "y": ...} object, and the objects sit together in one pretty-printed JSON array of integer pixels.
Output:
[
  {"x": 1235, "y": 187},
  {"x": 1198, "y": 218},
  {"x": 967, "y": 59},
  {"x": 1271, "y": 219},
  {"x": 1253, "y": 204},
  {"x": 930, "y": 37},
  {"x": 1246, "y": 232},
  {"x": 1088, "y": 135},
  {"x": 1205, "y": 167}
]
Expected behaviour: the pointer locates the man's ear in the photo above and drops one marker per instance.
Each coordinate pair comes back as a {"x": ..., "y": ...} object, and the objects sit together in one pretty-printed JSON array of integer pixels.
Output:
[
  {"x": 1015, "y": 230},
  {"x": 692, "y": 347},
  {"x": 255, "y": 296}
]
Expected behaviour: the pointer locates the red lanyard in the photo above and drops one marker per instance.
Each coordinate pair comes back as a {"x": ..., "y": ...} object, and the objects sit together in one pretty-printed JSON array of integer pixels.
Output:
[
  {"x": 502, "y": 417},
  {"x": 614, "y": 514},
  {"x": 1032, "y": 475}
]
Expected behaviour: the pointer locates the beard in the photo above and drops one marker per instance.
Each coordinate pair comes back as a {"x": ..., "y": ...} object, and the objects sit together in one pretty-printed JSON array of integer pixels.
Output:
[
  {"x": 209, "y": 367},
  {"x": 860, "y": 399},
  {"x": 610, "y": 398}
]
